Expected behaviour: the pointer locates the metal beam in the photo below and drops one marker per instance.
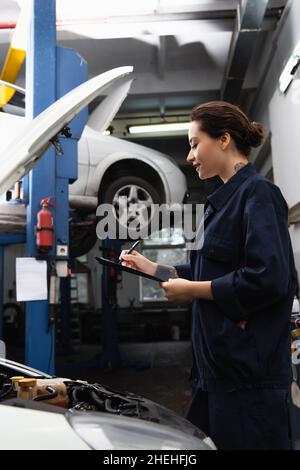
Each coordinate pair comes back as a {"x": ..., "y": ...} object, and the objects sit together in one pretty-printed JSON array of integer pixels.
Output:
[
  {"x": 250, "y": 16},
  {"x": 161, "y": 57},
  {"x": 284, "y": 13},
  {"x": 263, "y": 154}
]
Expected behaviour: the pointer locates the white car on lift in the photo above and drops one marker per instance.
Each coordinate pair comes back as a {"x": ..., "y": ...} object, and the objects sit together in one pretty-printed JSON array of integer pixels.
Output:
[{"x": 108, "y": 168}]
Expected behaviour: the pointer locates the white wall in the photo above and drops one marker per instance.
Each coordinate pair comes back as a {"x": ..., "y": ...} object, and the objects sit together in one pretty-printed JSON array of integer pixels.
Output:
[{"x": 281, "y": 114}]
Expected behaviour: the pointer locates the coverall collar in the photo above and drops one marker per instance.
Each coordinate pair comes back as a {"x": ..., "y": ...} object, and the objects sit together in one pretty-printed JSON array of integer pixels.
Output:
[{"x": 218, "y": 198}]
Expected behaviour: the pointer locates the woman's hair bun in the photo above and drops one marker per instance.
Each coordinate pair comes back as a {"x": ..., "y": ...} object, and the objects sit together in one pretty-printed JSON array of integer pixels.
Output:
[{"x": 256, "y": 134}]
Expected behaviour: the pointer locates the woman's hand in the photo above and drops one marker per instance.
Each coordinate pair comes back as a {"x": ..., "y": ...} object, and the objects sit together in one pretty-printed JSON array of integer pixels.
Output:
[
  {"x": 137, "y": 261},
  {"x": 178, "y": 290}
]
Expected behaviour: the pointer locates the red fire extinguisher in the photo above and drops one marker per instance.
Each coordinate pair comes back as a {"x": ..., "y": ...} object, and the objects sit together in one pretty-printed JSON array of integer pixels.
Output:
[{"x": 44, "y": 228}]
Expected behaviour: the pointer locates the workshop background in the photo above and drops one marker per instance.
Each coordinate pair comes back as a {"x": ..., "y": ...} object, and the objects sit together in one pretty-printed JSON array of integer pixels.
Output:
[{"x": 116, "y": 329}]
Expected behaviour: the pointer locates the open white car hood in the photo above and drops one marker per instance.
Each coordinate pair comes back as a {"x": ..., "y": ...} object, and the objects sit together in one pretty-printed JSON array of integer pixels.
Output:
[
  {"x": 23, "y": 142},
  {"x": 102, "y": 116}
]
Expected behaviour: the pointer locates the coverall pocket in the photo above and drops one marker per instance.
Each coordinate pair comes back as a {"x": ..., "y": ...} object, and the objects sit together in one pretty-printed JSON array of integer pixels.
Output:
[
  {"x": 236, "y": 352},
  {"x": 219, "y": 258}
]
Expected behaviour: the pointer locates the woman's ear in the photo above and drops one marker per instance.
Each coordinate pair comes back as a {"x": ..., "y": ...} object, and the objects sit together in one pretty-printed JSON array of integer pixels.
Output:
[{"x": 225, "y": 140}]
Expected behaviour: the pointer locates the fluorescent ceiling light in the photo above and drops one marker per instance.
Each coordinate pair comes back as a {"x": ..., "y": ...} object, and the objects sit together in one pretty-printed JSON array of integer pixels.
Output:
[
  {"x": 96, "y": 8},
  {"x": 290, "y": 70},
  {"x": 152, "y": 128}
]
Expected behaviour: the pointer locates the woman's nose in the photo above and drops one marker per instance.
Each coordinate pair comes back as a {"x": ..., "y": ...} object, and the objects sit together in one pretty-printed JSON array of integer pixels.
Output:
[{"x": 190, "y": 156}]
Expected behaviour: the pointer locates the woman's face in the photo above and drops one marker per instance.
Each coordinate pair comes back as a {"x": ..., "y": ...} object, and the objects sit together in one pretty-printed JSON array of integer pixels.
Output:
[{"x": 206, "y": 153}]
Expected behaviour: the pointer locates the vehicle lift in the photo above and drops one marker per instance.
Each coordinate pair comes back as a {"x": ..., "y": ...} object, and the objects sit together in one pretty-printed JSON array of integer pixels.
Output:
[{"x": 51, "y": 72}]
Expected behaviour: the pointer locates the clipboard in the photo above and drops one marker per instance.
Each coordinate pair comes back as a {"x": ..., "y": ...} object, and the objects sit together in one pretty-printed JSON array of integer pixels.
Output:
[{"x": 108, "y": 262}]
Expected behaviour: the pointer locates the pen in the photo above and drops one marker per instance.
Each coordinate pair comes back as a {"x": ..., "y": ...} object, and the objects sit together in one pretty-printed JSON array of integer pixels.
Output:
[{"x": 131, "y": 249}]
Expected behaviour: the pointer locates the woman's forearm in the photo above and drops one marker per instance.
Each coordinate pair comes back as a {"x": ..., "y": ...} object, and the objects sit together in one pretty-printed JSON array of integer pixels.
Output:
[{"x": 202, "y": 290}]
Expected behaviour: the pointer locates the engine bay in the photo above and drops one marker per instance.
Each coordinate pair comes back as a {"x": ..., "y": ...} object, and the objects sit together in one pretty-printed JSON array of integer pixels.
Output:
[{"x": 31, "y": 387}]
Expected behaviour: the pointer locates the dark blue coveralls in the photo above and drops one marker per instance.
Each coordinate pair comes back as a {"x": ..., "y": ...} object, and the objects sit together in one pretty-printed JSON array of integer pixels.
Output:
[{"x": 243, "y": 374}]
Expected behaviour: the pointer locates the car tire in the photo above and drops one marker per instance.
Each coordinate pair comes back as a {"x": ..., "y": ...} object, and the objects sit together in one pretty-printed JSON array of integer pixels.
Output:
[
  {"x": 139, "y": 193},
  {"x": 83, "y": 238}
]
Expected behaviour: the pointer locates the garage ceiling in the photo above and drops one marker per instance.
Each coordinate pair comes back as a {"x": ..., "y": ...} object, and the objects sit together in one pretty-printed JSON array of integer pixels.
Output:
[{"x": 181, "y": 50}]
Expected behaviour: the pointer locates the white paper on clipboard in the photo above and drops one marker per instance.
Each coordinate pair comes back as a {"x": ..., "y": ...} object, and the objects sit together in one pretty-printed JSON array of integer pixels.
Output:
[{"x": 31, "y": 279}]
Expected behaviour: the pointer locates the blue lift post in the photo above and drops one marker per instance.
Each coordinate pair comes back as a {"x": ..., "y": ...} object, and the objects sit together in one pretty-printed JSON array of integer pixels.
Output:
[
  {"x": 110, "y": 357},
  {"x": 40, "y": 183},
  {"x": 50, "y": 73},
  {"x": 72, "y": 70}
]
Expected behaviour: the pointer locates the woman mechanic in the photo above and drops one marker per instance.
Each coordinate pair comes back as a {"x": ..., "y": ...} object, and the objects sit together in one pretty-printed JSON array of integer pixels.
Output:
[{"x": 241, "y": 282}]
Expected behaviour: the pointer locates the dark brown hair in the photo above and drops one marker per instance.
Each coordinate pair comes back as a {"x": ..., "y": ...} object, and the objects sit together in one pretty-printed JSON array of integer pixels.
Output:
[{"x": 217, "y": 117}]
